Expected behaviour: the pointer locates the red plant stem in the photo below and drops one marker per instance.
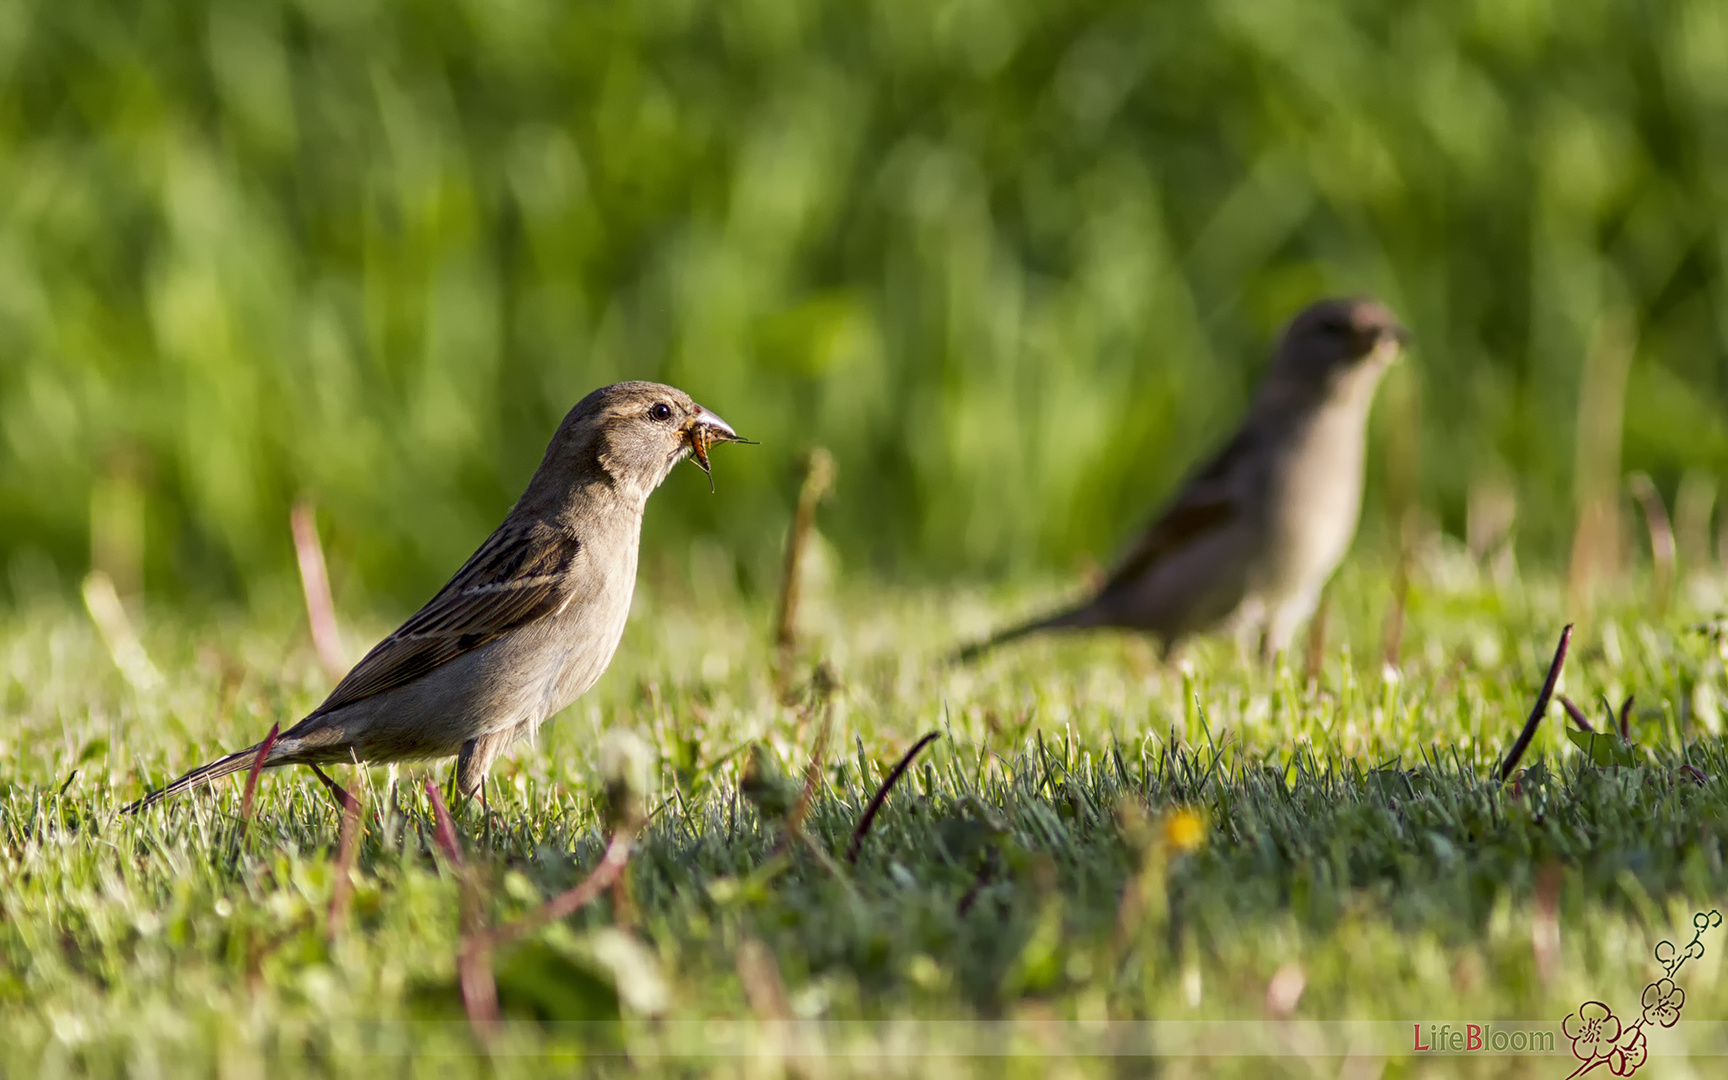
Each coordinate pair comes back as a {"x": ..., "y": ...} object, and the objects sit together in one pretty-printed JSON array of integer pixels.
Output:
[
  {"x": 1575, "y": 713},
  {"x": 474, "y": 957},
  {"x": 347, "y": 852},
  {"x": 444, "y": 831},
  {"x": 315, "y": 584},
  {"x": 257, "y": 767},
  {"x": 573, "y": 899},
  {"x": 881, "y": 796},
  {"x": 478, "y": 984},
  {"x": 812, "y": 779},
  {"x": 1541, "y": 708}
]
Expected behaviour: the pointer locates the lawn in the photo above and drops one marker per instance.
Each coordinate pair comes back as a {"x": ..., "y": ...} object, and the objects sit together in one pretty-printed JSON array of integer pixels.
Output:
[{"x": 1101, "y": 853}]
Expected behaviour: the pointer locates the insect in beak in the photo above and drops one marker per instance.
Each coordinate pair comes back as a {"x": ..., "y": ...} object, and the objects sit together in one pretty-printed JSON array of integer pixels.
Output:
[{"x": 704, "y": 431}]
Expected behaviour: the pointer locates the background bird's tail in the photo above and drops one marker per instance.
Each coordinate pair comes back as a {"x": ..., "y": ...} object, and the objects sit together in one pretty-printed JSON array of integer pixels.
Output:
[
  {"x": 1070, "y": 617},
  {"x": 204, "y": 774}
]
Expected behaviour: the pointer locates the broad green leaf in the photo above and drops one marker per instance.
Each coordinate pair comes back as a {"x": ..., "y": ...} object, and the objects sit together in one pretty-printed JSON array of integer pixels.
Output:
[{"x": 1602, "y": 749}]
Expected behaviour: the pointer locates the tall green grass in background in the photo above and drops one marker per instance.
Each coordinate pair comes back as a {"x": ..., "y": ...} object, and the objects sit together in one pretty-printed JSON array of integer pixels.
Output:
[{"x": 1014, "y": 261}]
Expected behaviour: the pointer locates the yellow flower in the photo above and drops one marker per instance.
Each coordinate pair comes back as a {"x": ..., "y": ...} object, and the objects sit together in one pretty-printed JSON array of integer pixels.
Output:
[{"x": 1184, "y": 830}]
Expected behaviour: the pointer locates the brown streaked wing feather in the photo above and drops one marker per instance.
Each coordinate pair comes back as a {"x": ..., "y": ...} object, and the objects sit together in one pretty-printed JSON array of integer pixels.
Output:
[
  {"x": 519, "y": 574},
  {"x": 1205, "y": 502}
]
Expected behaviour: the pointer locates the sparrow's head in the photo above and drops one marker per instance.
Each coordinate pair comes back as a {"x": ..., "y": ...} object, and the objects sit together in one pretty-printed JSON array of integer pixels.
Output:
[
  {"x": 1334, "y": 341},
  {"x": 636, "y": 431}
]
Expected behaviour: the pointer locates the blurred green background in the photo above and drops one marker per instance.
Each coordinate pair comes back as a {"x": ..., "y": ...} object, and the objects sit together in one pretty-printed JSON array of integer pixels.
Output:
[{"x": 1016, "y": 262}]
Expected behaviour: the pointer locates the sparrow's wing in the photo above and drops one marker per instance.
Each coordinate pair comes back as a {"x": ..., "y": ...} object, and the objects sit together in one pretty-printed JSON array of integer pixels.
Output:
[
  {"x": 521, "y": 573},
  {"x": 1208, "y": 500}
]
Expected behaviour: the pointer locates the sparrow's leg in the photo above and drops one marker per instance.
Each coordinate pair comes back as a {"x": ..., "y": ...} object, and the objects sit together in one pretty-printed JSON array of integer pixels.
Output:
[
  {"x": 1282, "y": 621},
  {"x": 486, "y": 810},
  {"x": 477, "y": 756},
  {"x": 337, "y": 791},
  {"x": 469, "y": 770},
  {"x": 1246, "y": 626}
]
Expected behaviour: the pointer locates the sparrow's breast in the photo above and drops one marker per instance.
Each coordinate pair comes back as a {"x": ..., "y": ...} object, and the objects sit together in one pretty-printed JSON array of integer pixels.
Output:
[
  {"x": 588, "y": 631},
  {"x": 1316, "y": 502}
]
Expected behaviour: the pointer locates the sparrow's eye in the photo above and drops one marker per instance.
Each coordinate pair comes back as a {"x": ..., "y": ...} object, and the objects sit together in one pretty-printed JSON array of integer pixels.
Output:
[{"x": 661, "y": 411}]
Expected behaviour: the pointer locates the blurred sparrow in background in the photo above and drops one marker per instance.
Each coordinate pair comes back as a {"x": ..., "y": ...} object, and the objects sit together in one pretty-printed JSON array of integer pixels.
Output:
[
  {"x": 529, "y": 622},
  {"x": 1250, "y": 540}
]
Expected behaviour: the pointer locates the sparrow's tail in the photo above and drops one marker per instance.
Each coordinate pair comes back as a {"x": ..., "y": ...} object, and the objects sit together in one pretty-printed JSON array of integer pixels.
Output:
[
  {"x": 1070, "y": 617},
  {"x": 204, "y": 774}
]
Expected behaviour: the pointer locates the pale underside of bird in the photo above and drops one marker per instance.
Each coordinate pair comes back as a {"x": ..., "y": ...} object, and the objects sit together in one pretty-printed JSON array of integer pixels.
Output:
[
  {"x": 528, "y": 623},
  {"x": 1250, "y": 539}
]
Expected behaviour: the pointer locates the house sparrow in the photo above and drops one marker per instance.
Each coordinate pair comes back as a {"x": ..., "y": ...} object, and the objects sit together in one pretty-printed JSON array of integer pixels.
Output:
[
  {"x": 1250, "y": 539},
  {"x": 529, "y": 622}
]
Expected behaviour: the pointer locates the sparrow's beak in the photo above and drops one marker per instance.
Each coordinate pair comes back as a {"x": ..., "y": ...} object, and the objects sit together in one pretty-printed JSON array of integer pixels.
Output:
[
  {"x": 704, "y": 430},
  {"x": 1386, "y": 340}
]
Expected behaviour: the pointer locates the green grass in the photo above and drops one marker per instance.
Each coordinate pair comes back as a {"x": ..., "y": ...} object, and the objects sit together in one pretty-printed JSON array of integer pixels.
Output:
[
  {"x": 1015, "y": 262},
  {"x": 1353, "y": 832}
]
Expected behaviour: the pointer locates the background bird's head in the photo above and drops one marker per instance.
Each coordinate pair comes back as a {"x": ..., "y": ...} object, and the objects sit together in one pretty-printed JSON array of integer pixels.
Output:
[
  {"x": 635, "y": 432},
  {"x": 1334, "y": 344}
]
